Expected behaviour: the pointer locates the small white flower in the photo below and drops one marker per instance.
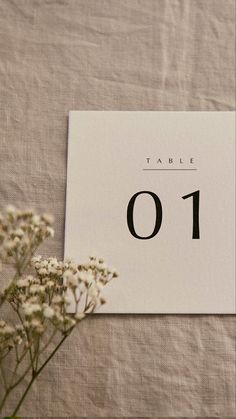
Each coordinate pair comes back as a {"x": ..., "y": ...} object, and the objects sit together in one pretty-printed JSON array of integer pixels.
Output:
[
  {"x": 35, "y": 322},
  {"x": 44, "y": 263},
  {"x": 10, "y": 209},
  {"x": 49, "y": 284},
  {"x": 9, "y": 245},
  {"x": 37, "y": 265},
  {"x": 29, "y": 212},
  {"x": 52, "y": 260},
  {"x": 34, "y": 288},
  {"x": 29, "y": 308},
  {"x": 19, "y": 232},
  {"x": 48, "y": 218},
  {"x": 59, "y": 272},
  {"x": 7, "y": 330},
  {"x": 37, "y": 326},
  {"x": 67, "y": 299},
  {"x": 20, "y": 328},
  {"x": 73, "y": 265},
  {"x": 36, "y": 220},
  {"x": 18, "y": 339},
  {"x": 36, "y": 259},
  {"x": 57, "y": 299},
  {"x": 48, "y": 312},
  {"x": 102, "y": 266},
  {"x": 16, "y": 241},
  {"x": 52, "y": 270},
  {"x": 67, "y": 275},
  {"x": 42, "y": 271},
  {"x": 72, "y": 281},
  {"x": 22, "y": 283},
  {"x": 50, "y": 232},
  {"x": 86, "y": 276}
]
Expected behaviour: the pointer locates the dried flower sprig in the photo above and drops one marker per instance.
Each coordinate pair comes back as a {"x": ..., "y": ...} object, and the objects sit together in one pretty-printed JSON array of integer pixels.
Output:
[{"x": 41, "y": 294}]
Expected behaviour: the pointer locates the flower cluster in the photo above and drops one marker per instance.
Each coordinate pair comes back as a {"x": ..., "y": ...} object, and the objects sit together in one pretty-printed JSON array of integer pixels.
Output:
[
  {"x": 10, "y": 337},
  {"x": 49, "y": 297},
  {"x": 53, "y": 287},
  {"x": 21, "y": 232}
]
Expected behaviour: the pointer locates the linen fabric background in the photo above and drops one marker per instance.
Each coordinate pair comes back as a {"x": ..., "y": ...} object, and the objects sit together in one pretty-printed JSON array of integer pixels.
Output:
[{"x": 114, "y": 55}]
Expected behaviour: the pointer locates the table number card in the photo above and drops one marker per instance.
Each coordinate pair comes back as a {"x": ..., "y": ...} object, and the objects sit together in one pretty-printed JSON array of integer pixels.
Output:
[{"x": 153, "y": 194}]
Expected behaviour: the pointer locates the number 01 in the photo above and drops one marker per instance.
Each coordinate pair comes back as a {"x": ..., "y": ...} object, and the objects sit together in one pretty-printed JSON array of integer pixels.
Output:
[{"x": 158, "y": 221}]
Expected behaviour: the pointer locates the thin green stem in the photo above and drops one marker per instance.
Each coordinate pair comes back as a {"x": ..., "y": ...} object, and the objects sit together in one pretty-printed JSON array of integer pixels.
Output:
[
  {"x": 4, "y": 400},
  {"x": 52, "y": 354},
  {"x": 23, "y": 396},
  {"x": 48, "y": 343},
  {"x": 36, "y": 374},
  {"x": 3, "y": 377},
  {"x": 28, "y": 338}
]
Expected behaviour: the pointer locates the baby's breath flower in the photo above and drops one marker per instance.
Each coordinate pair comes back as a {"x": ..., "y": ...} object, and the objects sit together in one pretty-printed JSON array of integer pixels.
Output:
[
  {"x": 44, "y": 298},
  {"x": 49, "y": 284},
  {"x": 66, "y": 299},
  {"x": 37, "y": 326},
  {"x": 36, "y": 259},
  {"x": 48, "y": 312},
  {"x": 50, "y": 232},
  {"x": 48, "y": 218},
  {"x": 9, "y": 245},
  {"x": 18, "y": 339},
  {"x": 59, "y": 272},
  {"x": 57, "y": 299},
  {"x": 19, "y": 328},
  {"x": 42, "y": 271},
  {"x": 36, "y": 288},
  {"x": 36, "y": 220},
  {"x": 7, "y": 330},
  {"x": 22, "y": 283},
  {"x": 86, "y": 276},
  {"x": 30, "y": 308},
  {"x": 19, "y": 232},
  {"x": 10, "y": 209},
  {"x": 71, "y": 280}
]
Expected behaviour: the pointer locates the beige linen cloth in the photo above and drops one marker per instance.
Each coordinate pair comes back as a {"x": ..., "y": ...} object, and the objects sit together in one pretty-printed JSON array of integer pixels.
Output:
[{"x": 57, "y": 55}]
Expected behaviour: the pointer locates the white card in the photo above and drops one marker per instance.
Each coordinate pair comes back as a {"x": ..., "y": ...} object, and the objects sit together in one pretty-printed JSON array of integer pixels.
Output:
[{"x": 174, "y": 252}]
